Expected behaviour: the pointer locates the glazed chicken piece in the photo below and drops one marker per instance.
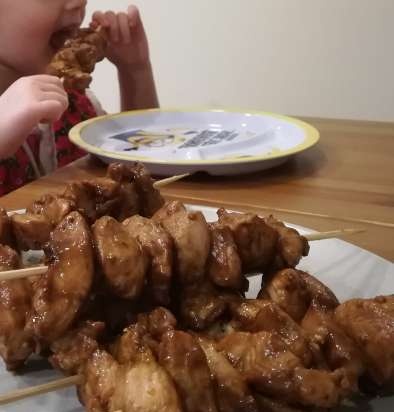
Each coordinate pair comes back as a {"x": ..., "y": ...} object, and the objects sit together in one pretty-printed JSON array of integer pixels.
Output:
[
  {"x": 122, "y": 259},
  {"x": 6, "y": 234},
  {"x": 94, "y": 198},
  {"x": 232, "y": 392},
  {"x": 185, "y": 361},
  {"x": 255, "y": 240},
  {"x": 149, "y": 198},
  {"x": 63, "y": 289},
  {"x": 9, "y": 258},
  {"x": 291, "y": 245},
  {"x": 338, "y": 349},
  {"x": 191, "y": 236},
  {"x": 293, "y": 290},
  {"x": 54, "y": 207},
  {"x": 270, "y": 368},
  {"x": 31, "y": 231},
  {"x": 131, "y": 380},
  {"x": 267, "y": 404},
  {"x": 160, "y": 247},
  {"x": 77, "y": 58},
  {"x": 201, "y": 305},
  {"x": 16, "y": 344},
  {"x": 264, "y": 315},
  {"x": 370, "y": 324},
  {"x": 224, "y": 264},
  {"x": 70, "y": 352}
]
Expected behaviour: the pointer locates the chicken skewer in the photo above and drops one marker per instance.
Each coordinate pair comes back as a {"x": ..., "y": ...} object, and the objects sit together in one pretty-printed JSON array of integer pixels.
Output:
[
  {"x": 239, "y": 345},
  {"x": 40, "y": 270}
]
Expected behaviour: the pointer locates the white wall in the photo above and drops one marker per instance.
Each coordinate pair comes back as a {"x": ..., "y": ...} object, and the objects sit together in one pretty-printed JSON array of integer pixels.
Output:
[{"x": 328, "y": 58}]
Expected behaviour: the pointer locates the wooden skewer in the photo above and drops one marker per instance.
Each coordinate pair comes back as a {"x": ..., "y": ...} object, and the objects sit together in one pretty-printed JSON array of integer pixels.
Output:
[
  {"x": 40, "y": 270},
  {"x": 22, "y": 273},
  {"x": 332, "y": 234},
  {"x": 39, "y": 389},
  {"x": 164, "y": 182}
]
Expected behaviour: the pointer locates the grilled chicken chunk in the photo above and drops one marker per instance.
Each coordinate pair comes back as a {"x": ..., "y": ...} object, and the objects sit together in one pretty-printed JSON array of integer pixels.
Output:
[
  {"x": 293, "y": 290},
  {"x": 266, "y": 363},
  {"x": 224, "y": 264},
  {"x": 122, "y": 259},
  {"x": 370, "y": 324},
  {"x": 16, "y": 344},
  {"x": 60, "y": 293},
  {"x": 191, "y": 236},
  {"x": 255, "y": 240},
  {"x": 160, "y": 247},
  {"x": 182, "y": 357}
]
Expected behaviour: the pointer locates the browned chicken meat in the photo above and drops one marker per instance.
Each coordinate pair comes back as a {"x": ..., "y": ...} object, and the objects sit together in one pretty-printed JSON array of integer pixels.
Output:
[
  {"x": 94, "y": 198},
  {"x": 54, "y": 207},
  {"x": 291, "y": 245},
  {"x": 149, "y": 198},
  {"x": 370, "y": 324},
  {"x": 224, "y": 264},
  {"x": 191, "y": 236},
  {"x": 338, "y": 350},
  {"x": 265, "y": 363},
  {"x": 9, "y": 258},
  {"x": 122, "y": 259},
  {"x": 31, "y": 231},
  {"x": 62, "y": 290},
  {"x": 6, "y": 233},
  {"x": 129, "y": 381},
  {"x": 267, "y": 404},
  {"x": 255, "y": 240},
  {"x": 160, "y": 247},
  {"x": 71, "y": 352},
  {"x": 201, "y": 305},
  {"x": 182, "y": 357},
  {"x": 76, "y": 59},
  {"x": 293, "y": 290},
  {"x": 232, "y": 392},
  {"x": 264, "y": 315},
  {"x": 16, "y": 344}
]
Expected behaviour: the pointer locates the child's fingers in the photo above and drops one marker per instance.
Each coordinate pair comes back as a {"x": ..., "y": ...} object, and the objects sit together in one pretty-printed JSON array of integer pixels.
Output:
[
  {"x": 113, "y": 26},
  {"x": 124, "y": 28},
  {"x": 98, "y": 19},
  {"x": 133, "y": 15},
  {"x": 51, "y": 110},
  {"x": 46, "y": 79},
  {"x": 63, "y": 100}
]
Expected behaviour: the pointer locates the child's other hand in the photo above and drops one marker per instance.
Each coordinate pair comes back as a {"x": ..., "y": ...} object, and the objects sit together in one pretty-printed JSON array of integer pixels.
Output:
[
  {"x": 27, "y": 102},
  {"x": 128, "y": 43}
]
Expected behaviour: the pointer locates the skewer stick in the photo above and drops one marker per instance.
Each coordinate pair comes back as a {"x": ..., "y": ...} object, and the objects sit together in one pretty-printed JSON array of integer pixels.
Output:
[
  {"x": 164, "y": 182},
  {"x": 40, "y": 270},
  {"x": 332, "y": 234},
  {"x": 39, "y": 389},
  {"x": 22, "y": 273}
]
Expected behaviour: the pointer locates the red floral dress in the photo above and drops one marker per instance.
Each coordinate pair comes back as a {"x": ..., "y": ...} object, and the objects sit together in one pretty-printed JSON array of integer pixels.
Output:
[{"x": 18, "y": 169}]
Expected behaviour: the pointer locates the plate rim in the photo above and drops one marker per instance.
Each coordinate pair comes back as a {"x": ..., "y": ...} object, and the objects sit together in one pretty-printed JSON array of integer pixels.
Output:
[{"x": 312, "y": 136}]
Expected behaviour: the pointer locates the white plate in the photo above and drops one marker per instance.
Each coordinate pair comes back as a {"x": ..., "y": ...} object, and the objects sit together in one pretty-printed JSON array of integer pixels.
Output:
[
  {"x": 347, "y": 269},
  {"x": 177, "y": 141}
]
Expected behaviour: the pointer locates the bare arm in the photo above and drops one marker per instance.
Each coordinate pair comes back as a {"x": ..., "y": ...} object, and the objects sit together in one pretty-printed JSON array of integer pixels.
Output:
[
  {"x": 129, "y": 52},
  {"x": 137, "y": 88}
]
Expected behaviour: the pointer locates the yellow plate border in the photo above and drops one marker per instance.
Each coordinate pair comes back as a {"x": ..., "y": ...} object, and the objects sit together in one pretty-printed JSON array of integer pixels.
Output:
[{"x": 312, "y": 136}]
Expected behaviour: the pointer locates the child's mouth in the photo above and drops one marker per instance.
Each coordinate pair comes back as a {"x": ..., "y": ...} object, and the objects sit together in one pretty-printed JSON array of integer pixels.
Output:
[{"x": 59, "y": 37}]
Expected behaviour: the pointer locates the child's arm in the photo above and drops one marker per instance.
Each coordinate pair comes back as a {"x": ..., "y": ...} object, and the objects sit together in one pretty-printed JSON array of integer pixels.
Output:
[
  {"x": 26, "y": 103},
  {"x": 129, "y": 51}
]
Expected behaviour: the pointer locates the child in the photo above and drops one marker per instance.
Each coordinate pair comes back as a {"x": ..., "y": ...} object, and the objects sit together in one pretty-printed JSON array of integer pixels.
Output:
[{"x": 29, "y": 38}]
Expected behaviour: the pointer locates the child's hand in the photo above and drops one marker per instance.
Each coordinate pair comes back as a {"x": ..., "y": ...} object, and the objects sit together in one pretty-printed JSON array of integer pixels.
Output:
[
  {"x": 27, "y": 102},
  {"x": 128, "y": 43}
]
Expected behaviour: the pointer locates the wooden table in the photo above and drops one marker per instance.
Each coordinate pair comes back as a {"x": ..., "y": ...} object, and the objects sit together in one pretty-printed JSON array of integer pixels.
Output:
[{"x": 348, "y": 175}]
